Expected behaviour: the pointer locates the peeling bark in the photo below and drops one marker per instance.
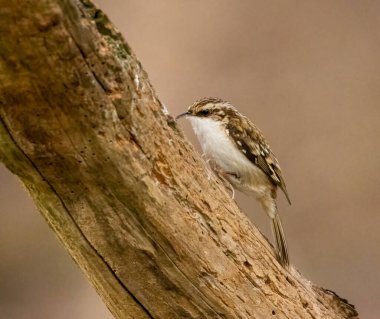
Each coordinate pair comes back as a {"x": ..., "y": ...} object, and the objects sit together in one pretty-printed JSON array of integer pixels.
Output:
[{"x": 128, "y": 197}]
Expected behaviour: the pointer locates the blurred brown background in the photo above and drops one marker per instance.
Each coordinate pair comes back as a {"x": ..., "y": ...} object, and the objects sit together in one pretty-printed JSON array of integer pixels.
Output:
[{"x": 308, "y": 74}]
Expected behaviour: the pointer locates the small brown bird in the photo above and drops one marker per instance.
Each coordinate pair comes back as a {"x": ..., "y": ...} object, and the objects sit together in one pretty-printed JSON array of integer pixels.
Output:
[{"x": 242, "y": 156}]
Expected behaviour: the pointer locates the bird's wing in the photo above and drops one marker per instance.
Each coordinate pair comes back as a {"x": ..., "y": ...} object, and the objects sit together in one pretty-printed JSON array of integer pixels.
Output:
[{"x": 249, "y": 139}]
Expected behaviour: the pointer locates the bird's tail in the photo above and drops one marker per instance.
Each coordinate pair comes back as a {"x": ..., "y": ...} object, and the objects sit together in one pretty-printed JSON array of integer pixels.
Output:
[{"x": 279, "y": 236}]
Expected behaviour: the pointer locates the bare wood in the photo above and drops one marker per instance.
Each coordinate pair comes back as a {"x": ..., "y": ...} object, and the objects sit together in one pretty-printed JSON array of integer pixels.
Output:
[{"x": 127, "y": 196}]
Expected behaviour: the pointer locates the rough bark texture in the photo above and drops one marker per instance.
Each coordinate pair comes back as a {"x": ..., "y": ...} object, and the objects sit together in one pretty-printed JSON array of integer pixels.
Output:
[{"x": 112, "y": 174}]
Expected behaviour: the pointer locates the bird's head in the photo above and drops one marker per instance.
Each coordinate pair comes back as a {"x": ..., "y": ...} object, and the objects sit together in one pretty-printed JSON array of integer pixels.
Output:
[{"x": 212, "y": 108}]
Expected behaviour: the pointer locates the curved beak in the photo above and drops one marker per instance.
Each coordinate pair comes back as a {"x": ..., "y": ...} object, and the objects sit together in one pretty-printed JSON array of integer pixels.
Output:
[{"x": 181, "y": 115}]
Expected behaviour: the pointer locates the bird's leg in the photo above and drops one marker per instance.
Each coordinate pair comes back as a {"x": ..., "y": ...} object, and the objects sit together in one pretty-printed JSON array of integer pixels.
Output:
[
  {"x": 224, "y": 177},
  {"x": 214, "y": 169},
  {"x": 209, "y": 168}
]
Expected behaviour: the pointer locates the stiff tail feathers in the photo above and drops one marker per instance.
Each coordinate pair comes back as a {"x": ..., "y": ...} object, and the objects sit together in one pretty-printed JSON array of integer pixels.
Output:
[{"x": 279, "y": 236}]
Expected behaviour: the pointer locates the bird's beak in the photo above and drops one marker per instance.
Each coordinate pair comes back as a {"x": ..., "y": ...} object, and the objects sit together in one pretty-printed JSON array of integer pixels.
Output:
[{"x": 181, "y": 115}]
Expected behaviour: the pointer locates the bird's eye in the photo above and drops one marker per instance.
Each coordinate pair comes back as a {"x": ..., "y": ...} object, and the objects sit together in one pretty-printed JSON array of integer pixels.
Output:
[{"x": 204, "y": 113}]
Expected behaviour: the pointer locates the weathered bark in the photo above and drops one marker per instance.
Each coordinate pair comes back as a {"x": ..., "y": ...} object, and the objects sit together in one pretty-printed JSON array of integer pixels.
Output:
[{"x": 112, "y": 174}]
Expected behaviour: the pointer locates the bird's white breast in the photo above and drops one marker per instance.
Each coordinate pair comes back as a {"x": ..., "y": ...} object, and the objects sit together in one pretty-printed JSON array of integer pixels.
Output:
[{"x": 216, "y": 144}]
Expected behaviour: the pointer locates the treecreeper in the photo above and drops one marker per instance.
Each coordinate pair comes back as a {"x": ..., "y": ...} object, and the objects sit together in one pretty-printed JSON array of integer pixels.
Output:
[{"x": 241, "y": 156}]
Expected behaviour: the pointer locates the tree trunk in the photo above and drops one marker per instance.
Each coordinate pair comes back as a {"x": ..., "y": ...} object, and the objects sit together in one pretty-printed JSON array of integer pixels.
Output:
[{"x": 128, "y": 197}]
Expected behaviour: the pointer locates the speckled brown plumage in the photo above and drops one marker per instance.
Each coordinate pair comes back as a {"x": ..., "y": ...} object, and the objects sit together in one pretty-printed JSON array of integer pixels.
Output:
[{"x": 246, "y": 135}]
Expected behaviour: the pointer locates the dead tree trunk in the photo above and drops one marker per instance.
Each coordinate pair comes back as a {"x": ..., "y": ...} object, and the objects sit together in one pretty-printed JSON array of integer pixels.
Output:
[{"x": 128, "y": 197}]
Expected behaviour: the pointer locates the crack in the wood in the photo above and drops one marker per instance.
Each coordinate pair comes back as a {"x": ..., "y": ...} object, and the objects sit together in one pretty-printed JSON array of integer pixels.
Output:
[
  {"x": 104, "y": 88},
  {"x": 220, "y": 315},
  {"x": 203, "y": 297},
  {"x": 74, "y": 222}
]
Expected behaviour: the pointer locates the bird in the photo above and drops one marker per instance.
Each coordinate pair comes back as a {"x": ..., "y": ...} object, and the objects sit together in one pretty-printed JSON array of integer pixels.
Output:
[{"x": 241, "y": 155}]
